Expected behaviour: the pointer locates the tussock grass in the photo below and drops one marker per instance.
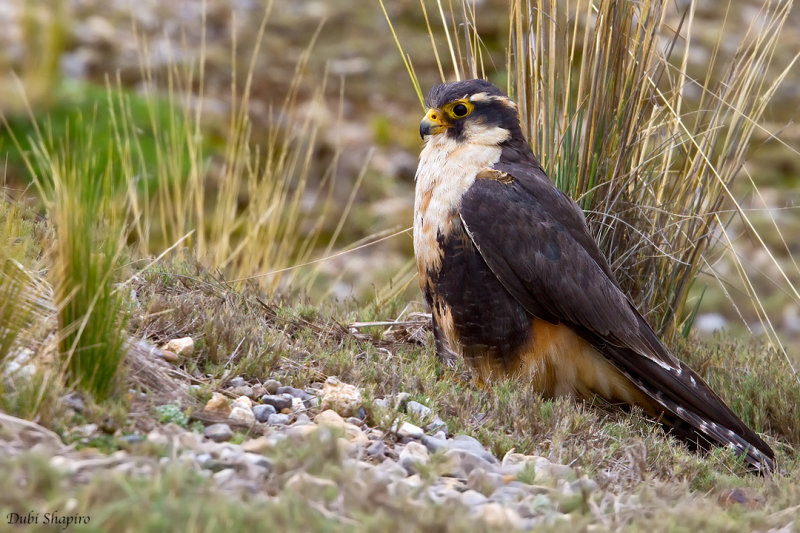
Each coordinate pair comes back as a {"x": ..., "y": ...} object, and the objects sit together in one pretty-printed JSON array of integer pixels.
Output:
[
  {"x": 87, "y": 209},
  {"x": 602, "y": 89}
]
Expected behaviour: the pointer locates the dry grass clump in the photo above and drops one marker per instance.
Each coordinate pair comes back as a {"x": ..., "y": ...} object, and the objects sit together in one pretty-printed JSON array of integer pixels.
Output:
[{"x": 247, "y": 208}]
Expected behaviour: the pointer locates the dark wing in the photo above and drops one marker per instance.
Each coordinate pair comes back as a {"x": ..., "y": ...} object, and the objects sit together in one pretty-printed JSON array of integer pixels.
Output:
[{"x": 535, "y": 240}]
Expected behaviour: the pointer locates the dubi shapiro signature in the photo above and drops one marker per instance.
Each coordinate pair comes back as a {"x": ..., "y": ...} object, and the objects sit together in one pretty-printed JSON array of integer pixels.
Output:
[{"x": 52, "y": 518}]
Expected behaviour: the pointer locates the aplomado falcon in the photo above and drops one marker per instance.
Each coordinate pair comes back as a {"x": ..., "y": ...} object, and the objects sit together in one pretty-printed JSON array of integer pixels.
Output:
[{"x": 518, "y": 287}]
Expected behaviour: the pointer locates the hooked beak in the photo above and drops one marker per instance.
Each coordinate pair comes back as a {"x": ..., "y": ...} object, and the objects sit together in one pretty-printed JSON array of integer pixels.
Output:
[{"x": 431, "y": 124}]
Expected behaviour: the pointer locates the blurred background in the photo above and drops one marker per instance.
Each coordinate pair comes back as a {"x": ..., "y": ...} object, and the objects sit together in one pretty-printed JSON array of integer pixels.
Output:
[{"x": 328, "y": 75}]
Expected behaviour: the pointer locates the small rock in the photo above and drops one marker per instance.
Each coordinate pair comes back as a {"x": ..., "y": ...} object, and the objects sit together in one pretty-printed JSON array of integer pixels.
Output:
[
  {"x": 243, "y": 390},
  {"x": 85, "y": 430},
  {"x": 301, "y": 432},
  {"x": 442, "y": 495},
  {"x": 740, "y": 496},
  {"x": 355, "y": 435},
  {"x": 74, "y": 401},
  {"x": 243, "y": 414},
  {"x": 278, "y": 401},
  {"x": 375, "y": 450},
  {"x": 484, "y": 482},
  {"x": 549, "y": 471},
  {"x": 131, "y": 440},
  {"x": 258, "y": 391},
  {"x": 297, "y": 393},
  {"x": 436, "y": 426},
  {"x": 710, "y": 322},
  {"x": 278, "y": 419},
  {"x": 297, "y": 405},
  {"x": 382, "y": 403},
  {"x": 391, "y": 468},
  {"x": 272, "y": 386},
  {"x": 462, "y": 462},
  {"x": 434, "y": 444},
  {"x": 471, "y": 444},
  {"x": 410, "y": 431},
  {"x": 218, "y": 432},
  {"x": 238, "y": 381},
  {"x": 413, "y": 455},
  {"x": 170, "y": 356},
  {"x": 243, "y": 401},
  {"x": 157, "y": 438},
  {"x": 507, "y": 494},
  {"x": 262, "y": 412},
  {"x": 257, "y": 459},
  {"x": 183, "y": 346},
  {"x": 355, "y": 421},
  {"x": 224, "y": 475},
  {"x": 218, "y": 404},
  {"x": 189, "y": 440},
  {"x": 584, "y": 485},
  {"x": 473, "y": 498},
  {"x": 311, "y": 487},
  {"x": 343, "y": 398},
  {"x": 497, "y": 516},
  {"x": 416, "y": 408},
  {"x": 257, "y": 445},
  {"x": 330, "y": 418},
  {"x": 302, "y": 419}
]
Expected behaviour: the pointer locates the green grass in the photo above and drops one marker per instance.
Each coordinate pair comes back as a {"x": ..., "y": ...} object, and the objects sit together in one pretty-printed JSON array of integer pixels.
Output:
[{"x": 86, "y": 205}]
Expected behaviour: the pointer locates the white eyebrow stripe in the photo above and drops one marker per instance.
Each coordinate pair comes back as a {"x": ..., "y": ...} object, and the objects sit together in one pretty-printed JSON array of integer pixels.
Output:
[{"x": 486, "y": 97}]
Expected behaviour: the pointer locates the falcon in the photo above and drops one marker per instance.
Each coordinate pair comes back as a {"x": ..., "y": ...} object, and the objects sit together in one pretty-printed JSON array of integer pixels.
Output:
[{"x": 518, "y": 287}]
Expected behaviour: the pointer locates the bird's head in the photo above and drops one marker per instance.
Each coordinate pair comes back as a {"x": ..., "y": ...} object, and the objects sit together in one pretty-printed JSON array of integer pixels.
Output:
[{"x": 471, "y": 111}]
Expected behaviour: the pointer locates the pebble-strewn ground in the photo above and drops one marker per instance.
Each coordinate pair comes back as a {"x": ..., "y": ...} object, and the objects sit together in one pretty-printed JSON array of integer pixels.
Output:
[{"x": 420, "y": 464}]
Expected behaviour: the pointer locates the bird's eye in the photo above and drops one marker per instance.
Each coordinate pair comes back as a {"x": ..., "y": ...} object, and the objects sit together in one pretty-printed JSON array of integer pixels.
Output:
[{"x": 460, "y": 110}]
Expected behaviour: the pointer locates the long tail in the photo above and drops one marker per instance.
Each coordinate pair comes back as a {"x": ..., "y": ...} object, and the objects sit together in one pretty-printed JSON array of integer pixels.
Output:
[{"x": 683, "y": 394}]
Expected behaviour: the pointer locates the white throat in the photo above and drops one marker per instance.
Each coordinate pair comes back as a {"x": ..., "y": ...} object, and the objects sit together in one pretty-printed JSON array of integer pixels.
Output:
[{"x": 447, "y": 168}]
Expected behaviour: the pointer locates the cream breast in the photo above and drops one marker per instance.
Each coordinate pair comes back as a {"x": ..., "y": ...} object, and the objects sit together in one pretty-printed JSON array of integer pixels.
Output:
[{"x": 447, "y": 168}]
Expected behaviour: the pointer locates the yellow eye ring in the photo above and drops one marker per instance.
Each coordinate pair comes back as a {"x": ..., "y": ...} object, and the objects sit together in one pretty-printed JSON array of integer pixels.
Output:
[{"x": 459, "y": 108}]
